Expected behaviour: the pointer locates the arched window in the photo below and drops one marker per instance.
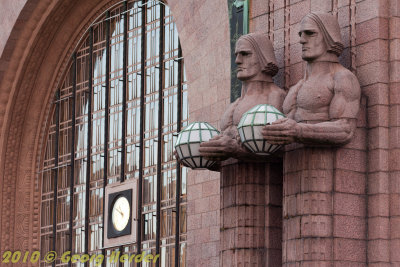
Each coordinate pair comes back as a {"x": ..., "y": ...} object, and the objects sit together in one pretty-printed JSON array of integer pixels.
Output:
[{"x": 115, "y": 117}]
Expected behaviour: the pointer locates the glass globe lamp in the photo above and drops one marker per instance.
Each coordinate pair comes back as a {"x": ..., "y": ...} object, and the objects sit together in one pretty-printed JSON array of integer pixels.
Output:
[
  {"x": 250, "y": 127},
  {"x": 188, "y": 144}
]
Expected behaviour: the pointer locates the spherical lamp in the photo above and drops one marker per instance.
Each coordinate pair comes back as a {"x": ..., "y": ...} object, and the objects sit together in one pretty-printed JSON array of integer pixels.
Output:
[
  {"x": 188, "y": 144},
  {"x": 250, "y": 127}
]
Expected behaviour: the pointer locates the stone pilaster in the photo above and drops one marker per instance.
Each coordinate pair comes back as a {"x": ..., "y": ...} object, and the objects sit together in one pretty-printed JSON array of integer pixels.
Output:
[{"x": 251, "y": 214}]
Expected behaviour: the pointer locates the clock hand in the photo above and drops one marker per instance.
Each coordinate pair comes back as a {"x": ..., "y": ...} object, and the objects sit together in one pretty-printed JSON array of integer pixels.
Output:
[{"x": 118, "y": 209}]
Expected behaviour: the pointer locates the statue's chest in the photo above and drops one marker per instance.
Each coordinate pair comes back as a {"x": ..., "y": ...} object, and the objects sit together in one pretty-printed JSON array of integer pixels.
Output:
[
  {"x": 246, "y": 104},
  {"x": 315, "y": 94}
]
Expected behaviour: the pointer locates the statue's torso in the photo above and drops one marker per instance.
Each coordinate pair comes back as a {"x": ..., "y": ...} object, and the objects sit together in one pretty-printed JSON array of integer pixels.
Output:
[
  {"x": 273, "y": 95},
  {"x": 313, "y": 98}
]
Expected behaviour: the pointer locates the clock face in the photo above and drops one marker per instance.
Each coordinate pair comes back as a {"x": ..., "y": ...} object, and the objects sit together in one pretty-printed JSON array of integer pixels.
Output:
[{"x": 120, "y": 213}]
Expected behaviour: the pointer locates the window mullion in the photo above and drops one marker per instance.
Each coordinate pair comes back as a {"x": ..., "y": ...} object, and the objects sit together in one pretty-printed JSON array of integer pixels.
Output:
[
  {"x": 89, "y": 141},
  {"x": 142, "y": 118},
  {"x": 55, "y": 169},
  {"x": 178, "y": 166},
  {"x": 106, "y": 122},
  {"x": 124, "y": 88},
  {"x": 160, "y": 129},
  {"x": 72, "y": 180}
]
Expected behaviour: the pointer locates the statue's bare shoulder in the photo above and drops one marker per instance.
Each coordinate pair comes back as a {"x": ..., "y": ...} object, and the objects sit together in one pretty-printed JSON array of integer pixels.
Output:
[
  {"x": 289, "y": 104},
  {"x": 347, "y": 93}
]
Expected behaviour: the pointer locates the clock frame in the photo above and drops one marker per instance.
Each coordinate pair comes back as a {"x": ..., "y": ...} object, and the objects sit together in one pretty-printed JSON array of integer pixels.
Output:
[
  {"x": 113, "y": 237},
  {"x": 112, "y": 232}
]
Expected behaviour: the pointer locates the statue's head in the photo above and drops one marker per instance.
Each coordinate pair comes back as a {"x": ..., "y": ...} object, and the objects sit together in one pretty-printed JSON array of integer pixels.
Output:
[
  {"x": 319, "y": 35},
  {"x": 255, "y": 58}
]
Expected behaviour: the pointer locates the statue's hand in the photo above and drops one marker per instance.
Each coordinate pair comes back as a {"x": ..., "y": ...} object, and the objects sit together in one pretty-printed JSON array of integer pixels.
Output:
[
  {"x": 281, "y": 132},
  {"x": 219, "y": 148}
]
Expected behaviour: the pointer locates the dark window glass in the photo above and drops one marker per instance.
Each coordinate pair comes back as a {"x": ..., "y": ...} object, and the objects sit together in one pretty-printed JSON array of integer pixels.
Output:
[{"x": 68, "y": 186}]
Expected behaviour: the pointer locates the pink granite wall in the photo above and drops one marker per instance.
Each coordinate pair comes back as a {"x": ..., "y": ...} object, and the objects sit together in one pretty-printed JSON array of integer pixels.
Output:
[
  {"x": 368, "y": 197},
  {"x": 203, "y": 28}
]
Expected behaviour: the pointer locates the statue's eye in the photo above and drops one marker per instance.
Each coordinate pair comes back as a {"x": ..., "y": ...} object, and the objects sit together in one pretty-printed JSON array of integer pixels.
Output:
[{"x": 308, "y": 33}]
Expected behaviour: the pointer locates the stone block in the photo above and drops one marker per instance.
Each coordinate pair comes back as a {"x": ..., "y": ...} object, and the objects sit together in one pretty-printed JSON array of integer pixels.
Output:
[
  {"x": 394, "y": 251},
  {"x": 321, "y": 5},
  {"x": 351, "y": 159},
  {"x": 378, "y": 183},
  {"x": 317, "y": 249},
  {"x": 378, "y": 228},
  {"x": 394, "y": 227},
  {"x": 378, "y": 205},
  {"x": 202, "y": 205},
  {"x": 378, "y": 94},
  {"x": 258, "y": 8},
  {"x": 279, "y": 18},
  {"x": 395, "y": 204},
  {"x": 369, "y": 9},
  {"x": 349, "y": 204},
  {"x": 259, "y": 24},
  {"x": 359, "y": 140},
  {"x": 378, "y": 251},
  {"x": 378, "y": 116},
  {"x": 314, "y": 203},
  {"x": 316, "y": 180},
  {"x": 293, "y": 183},
  {"x": 394, "y": 155},
  {"x": 376, "y": 28},
  {"x": 209, "y": 249},
  {"x": 295, "y": 55},
  {"x": 395, "y": 182},
  {"x": 296, "y": 73},
  {"x": 394, "y": 71},
  {"x": 291, "y": 228},
  {"x": 350, "y": 227},
  {"x": 316, "y": 226},
  {"x": 394, "y": 32},
  {"x": 375, "y": 72},
  {"x": 394, "y": 137},
  {"x": 344, "y": 16},
  {"x": 342, "y": 3},
  {"x": 378, "y": 138},
  {"x": 394, "y": 49},
  {"x": 349, "y": 182},
  {"x": 376, "y": 50},
  {"x": 298, "y": 11},
  {"x": 378, "y": 160},
  {"x": 209, "y": 219},
  {"x": 350, "y": 250},
  {"x": 194, "y": 221},
  {"x": 210, "y": 188}
]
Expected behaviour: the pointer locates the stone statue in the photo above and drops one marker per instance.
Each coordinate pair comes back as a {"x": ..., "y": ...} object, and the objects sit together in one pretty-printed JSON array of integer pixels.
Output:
[
  {"x": 256, "y": 64},
  {"x": 321, "y": 108}
]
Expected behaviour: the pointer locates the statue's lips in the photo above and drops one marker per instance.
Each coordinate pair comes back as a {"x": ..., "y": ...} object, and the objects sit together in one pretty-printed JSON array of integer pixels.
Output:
[{"x": 305, "y": 49}]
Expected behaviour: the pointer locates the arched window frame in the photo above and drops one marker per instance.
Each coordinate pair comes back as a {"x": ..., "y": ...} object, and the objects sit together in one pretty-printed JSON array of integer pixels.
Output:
[{"x": 65, "y": 181}]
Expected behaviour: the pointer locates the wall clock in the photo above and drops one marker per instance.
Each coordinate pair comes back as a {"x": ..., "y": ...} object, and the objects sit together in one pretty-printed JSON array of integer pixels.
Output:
[{"x": 120, "y": 215}]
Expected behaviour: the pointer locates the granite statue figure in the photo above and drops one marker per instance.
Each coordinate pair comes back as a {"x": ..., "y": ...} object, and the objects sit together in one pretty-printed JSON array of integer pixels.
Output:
[
  {"x": 322, "y": 107},
  {"x": 256, "y": 65}
]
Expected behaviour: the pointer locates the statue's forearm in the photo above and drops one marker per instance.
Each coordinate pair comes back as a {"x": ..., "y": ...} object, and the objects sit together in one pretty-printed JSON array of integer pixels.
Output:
[{"x": 332, "y": 133}]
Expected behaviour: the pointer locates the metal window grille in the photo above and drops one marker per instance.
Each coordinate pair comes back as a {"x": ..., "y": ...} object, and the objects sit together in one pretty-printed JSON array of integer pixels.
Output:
[{"x": 115, "y": 117}]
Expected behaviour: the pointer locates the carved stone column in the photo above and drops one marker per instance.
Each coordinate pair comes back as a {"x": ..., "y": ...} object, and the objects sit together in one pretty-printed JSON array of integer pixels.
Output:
[
  {"x": 251, "y": 214},
  {"x": 324, "y": 206}
]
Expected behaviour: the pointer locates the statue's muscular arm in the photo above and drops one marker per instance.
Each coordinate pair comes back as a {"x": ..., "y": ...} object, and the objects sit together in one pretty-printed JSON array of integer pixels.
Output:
[{"x": 338, "y": 130}]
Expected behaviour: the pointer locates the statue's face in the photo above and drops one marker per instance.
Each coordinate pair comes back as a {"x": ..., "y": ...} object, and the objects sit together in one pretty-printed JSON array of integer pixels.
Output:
[
  {"x": 312, "y": 40},
  {"x": 246, "y": 60}
]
